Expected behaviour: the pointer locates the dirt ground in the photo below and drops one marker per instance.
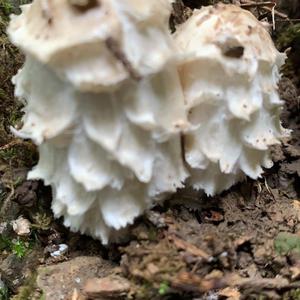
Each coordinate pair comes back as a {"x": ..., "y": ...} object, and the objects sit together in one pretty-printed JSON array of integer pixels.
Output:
[{"x": 242, "y": 244}]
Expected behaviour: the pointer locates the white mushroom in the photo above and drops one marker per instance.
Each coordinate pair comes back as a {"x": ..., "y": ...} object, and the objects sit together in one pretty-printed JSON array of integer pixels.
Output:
[
  {"x": 95, "y": 44},
  {"x": 104, "y": 104},
  {"x": 229, "y": 76}
]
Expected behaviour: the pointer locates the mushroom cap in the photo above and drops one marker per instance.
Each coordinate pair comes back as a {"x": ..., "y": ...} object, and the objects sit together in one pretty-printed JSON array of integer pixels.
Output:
[
  {"x": 226, "y": 30},
  {"x": 96, "y": 45}
]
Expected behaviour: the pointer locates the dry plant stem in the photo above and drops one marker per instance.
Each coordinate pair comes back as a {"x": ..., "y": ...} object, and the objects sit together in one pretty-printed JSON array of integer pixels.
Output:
[
  {"x": 256, "y": 4},
  {"x": 187, "y": 280},
  {"x": 6, "y": 201},
  {"x": 193, "y": 250},
  {"x": 263, "y": 5},
  {"x": 289, "y": 20}
]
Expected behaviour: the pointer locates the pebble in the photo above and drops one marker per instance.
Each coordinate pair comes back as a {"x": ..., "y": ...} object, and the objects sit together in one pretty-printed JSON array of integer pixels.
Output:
[
  {"x": 21, "y": 226},
  {"x": 112, "y": 286},
  {"x": 62, "y": 249}
]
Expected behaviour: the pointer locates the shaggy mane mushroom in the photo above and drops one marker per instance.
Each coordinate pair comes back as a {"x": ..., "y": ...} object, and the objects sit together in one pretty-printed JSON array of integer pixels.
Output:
[
  {"x": 124, "y": 114},
  {"x": 229, "y": 78},
  {"x": 104, "y": 104}
]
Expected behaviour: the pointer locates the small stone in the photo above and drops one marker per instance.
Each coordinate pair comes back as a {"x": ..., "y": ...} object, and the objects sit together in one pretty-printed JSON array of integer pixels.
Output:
[
  {"x": 156, "y": 219},
  {"x": 21, "y": 226},
  {"x": 230, "y": 293},
  {"x": 152, "y": 269},
  {"x": 59, "y": 281},
  {"x": 62, "y": 249},
  {"x": 77, "y": 280},
  {"x": 110, "y": 287}
]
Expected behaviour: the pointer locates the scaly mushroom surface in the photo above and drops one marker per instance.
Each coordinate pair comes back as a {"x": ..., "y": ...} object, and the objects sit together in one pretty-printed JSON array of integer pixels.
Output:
[
  {"x": 229, "y": 77},
  {"x": 124, "y": 113},
  {"x": 104, "y": 104}
]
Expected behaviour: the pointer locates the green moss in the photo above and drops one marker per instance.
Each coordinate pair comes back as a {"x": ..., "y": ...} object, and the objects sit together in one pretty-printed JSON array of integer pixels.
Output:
[
  {"x": 5, "y": 243},
  {"x": 19, "y": 154},
  {"x": 19, "y": 248},
  {"x": 288, "y": 36},
  {"x": 3, "y": 95},
  {"x": 292, "y": 295},
  {"x": 6, "y": 7},
  {"x": 4, "y": 293},
  {"x": 163, "y": 288},
  {"x": 8, "y": 154},
  {"x": 286, "y": 243},
  {"x": 43, "y": 297},
  {"x": 144, "y": 290},
  {"x": 10, "y": 61}
]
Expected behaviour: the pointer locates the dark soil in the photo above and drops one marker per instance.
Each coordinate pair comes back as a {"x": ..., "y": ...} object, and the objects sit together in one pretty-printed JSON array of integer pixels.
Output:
[{"x": 243, "y": 244}]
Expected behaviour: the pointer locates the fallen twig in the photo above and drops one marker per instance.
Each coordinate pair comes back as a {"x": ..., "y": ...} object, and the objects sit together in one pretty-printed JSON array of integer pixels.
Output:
[
  {"x": 255, "y": 4},
  {"x": 264, "y": 6},
  {"x": 184, "y": 245}
]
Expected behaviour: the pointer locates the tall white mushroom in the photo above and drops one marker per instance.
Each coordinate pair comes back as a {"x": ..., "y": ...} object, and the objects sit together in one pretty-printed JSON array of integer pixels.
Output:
[
  {"x": 229, "y": 77},
  {"x": 104, "y": 104}
]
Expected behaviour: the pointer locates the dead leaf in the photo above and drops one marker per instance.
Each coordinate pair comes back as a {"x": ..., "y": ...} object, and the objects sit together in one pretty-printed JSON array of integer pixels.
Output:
[
  {"x": 230, "y": 293},
  {"x": 295, "y": 272},
  {"x": 110, "y": 287}
]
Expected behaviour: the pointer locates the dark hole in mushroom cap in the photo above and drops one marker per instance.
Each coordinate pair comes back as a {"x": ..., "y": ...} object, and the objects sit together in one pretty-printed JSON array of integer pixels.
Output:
[
  {"x": 84, "y": 5},
  {"x": 234, "y": 52}
]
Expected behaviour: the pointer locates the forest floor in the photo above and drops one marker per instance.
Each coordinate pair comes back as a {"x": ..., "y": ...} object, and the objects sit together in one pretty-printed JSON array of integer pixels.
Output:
[{"x": 242, "y": 244}]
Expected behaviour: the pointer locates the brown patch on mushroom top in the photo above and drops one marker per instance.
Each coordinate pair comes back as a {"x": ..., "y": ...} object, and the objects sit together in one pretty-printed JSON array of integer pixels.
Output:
[
  {"x": 218, "y": 24},
  {"x": 84, "y": 5},
  {"x": 202, "y": 20},
  {"x": 250, "y": 29},
  {"x": 234, "y": 52},
  {"x": 47, "y": 15}
]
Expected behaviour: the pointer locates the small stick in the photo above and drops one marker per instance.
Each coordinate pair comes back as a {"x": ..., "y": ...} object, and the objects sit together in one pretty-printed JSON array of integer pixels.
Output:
[
  {"x": 256, "y": 4},
  {"x": 264, "y": 6}
]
